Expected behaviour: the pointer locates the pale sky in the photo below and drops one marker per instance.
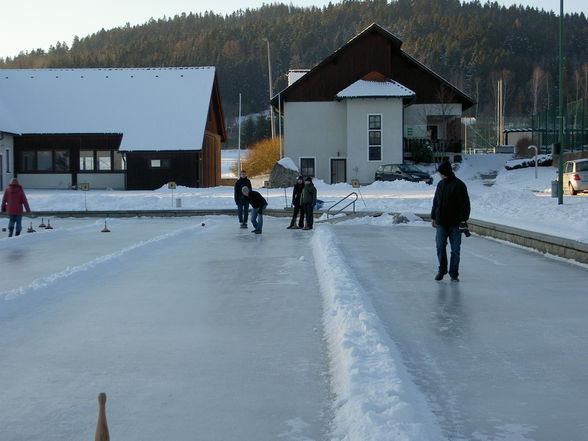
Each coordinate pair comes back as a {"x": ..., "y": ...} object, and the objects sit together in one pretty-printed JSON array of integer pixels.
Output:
[{"x": 32, "y": 24}]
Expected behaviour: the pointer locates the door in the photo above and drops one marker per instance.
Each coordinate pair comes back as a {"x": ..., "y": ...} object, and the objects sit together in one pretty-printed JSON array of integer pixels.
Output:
[
  {"x": 1, "y": 174},
  {"x": 338, "y": 170}
]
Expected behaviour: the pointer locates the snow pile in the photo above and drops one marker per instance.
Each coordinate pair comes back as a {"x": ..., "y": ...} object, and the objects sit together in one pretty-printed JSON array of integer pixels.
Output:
[
  {"x": 542, "y": 160},
  {"x": 376, "y": 398},
  {"x": 288, "y": 163}
]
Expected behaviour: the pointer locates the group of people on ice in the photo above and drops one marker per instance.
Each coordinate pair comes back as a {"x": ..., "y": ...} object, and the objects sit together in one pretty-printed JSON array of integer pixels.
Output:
[
  {"x": 449, "y": 213},
  {"x": 303, "y": 200}
]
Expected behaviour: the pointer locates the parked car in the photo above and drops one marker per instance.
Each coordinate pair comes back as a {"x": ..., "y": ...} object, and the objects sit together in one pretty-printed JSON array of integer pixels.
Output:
[
  {"x": 575, "y": 176},
  {"x": 406, "y": 172}
]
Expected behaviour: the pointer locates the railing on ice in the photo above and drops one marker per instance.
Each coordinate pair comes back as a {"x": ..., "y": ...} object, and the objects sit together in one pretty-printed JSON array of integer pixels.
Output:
[{"x": 343, "y": 208}]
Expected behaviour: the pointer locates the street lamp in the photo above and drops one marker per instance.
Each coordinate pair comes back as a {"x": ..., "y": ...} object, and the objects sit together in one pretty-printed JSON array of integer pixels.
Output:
[
  {"x": 561, "y": 105},
  {"x": 271, "y": 93}
]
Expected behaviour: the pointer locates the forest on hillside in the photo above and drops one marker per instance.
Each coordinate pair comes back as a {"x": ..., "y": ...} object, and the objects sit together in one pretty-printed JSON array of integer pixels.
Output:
[{"x": 471, "y": 44}]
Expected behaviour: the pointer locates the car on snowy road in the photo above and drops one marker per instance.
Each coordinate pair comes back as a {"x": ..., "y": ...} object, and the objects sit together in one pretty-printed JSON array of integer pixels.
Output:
[
  {"x": 405, "y": 172},
  {"x": 575, "y": 176}
]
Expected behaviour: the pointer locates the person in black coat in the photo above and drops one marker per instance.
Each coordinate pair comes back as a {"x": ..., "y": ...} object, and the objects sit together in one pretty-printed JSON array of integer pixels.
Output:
[
  {"x": 242, "y": 203},
  {"x": 258, "y": 204},
  {"x": 451, "y": 207},
  {"x": 307, "y": 201},
  {"x": 296, "y": 195}
]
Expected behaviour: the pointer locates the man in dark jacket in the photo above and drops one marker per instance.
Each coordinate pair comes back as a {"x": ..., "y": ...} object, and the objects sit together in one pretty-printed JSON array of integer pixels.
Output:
[
  {"x": 307, "y": 200},
  {"x": 258, "y": 204},
  {"x": 451, "y": 207},
  {"x": 242, "y": 203},
  {"x": 296, "y": 195}
]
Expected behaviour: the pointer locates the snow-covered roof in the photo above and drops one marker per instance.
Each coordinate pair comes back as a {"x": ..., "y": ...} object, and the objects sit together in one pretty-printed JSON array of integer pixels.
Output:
[
  {"x": 153, "y": 108},
  {"x": 366, "y": 89}
]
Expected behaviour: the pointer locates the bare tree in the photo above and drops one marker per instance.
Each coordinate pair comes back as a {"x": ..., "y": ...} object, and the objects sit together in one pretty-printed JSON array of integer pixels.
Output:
[{"x": 537, "y": 80}]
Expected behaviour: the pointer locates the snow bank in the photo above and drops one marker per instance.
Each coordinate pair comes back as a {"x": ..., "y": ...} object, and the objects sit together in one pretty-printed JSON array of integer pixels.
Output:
[
  {"x": 376, "y": 399},
  {"x": 288, "y": 163}
]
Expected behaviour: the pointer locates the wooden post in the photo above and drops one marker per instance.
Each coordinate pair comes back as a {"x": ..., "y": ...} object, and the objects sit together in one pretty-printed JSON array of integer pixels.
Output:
[{"x": 102, "y": 426}]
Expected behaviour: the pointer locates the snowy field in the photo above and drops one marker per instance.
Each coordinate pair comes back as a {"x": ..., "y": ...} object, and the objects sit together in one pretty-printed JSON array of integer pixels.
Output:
[
  {"x": 515, "y": 198},
  {"x": 213, "y": 333}
]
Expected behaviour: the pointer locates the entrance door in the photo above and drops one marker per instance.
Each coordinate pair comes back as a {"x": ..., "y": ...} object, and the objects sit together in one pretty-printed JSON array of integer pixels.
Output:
[{"x": 338, "y": 170}]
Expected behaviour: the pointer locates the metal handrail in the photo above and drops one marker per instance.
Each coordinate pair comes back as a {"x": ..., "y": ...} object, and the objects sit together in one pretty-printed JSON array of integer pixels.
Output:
[{"x": 341, "y": 209}]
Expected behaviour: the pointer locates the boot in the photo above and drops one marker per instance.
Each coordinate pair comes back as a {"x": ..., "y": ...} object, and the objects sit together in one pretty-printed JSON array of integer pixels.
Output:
[{"x": 10, "y": 230}]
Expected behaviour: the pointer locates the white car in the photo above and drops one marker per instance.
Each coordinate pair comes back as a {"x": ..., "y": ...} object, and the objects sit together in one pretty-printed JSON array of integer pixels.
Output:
[{"x": 575, "y": 176}]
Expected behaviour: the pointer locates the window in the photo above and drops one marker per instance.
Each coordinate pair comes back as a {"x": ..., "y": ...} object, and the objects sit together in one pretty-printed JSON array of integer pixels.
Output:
[
  {"x": 159, "y": 163},
  {"x": 86, "y": 160},
  {"x": 7, "y": 161},
  {"x": 104, "y": 160},
  {"x": 307, "y": 167},
  {"x": 45, "y": 160},
  {"x": 119, "y": 161},
  {"x": 374, "y": 137},
  {"x": 61, "y": 160}
]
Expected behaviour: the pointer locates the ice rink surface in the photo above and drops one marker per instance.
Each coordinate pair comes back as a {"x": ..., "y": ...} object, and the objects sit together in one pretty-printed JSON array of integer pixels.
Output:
[
  {"x": 502, "y": 354},
  {"x": 193, "y": 332},
  {"x": 213, "y": 333}
]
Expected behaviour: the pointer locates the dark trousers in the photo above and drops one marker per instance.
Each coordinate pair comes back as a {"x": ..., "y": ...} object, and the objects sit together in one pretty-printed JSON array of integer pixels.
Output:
[
  {"x": 454, "y": 236},
  {"x": 243, "y": 211},
  {"x": 297, "y": 209},
  {"x": 307, "y": 210}
]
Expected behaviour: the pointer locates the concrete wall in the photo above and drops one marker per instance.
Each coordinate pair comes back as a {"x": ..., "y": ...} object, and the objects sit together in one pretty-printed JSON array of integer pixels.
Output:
[
  {"x": 357, "y": 135},
  {"x": 61, "y": 181},
  {"x": 315, "y": 130},
  {"x": 7, "y": 155},
  {"x": 116, "y": 181}
]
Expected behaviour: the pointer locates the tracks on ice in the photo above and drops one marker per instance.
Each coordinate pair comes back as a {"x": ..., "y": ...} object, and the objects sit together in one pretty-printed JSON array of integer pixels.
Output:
[{"x": 47, "y": 281}]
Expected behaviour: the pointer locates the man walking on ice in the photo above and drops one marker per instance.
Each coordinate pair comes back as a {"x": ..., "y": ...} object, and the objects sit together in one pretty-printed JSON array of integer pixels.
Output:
[{"x": 451, "y": 207}]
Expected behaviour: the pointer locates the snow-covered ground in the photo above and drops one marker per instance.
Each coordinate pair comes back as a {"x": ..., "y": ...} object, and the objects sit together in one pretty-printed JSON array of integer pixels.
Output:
[{"x": 516, "y": 198}]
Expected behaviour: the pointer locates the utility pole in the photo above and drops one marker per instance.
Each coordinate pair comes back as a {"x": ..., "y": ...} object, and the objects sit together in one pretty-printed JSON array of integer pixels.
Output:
[
  {"x": 271, "y": 93},
  {"x": 561, "y": 105}
]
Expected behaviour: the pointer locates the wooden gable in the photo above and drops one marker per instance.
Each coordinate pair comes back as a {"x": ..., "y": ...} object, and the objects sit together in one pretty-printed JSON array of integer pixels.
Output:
[{"x": 374, "y": 49}]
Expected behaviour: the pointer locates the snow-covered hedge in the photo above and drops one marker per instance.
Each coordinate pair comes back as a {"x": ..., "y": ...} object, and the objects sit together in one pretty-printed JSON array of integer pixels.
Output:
[{"x": 542, "y": 161}]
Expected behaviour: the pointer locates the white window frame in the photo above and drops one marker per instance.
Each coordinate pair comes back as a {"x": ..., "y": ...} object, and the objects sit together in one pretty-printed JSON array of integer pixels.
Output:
[
  {"x": 381, "y": 130},
  {"x": 300, "y": 165}
]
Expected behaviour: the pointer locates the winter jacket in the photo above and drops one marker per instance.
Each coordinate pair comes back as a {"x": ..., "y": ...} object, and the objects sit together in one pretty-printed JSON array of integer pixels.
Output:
[
  {"x": 255, "y": 199},
  {"x": 241, "y": 182},
  {"x": 451, "y": 204},
  {"x": 296, "y": 194},
  {"x": 13, "y": 200},
  {"x": 308, "y": 194}
]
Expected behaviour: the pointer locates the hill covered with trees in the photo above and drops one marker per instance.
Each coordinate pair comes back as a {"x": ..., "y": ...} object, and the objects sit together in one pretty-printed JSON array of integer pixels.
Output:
[{"x": 471, "y": 44}]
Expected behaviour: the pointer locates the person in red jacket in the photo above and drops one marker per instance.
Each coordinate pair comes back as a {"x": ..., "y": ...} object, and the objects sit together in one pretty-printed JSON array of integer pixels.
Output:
[{"x": 12, "y": 202}]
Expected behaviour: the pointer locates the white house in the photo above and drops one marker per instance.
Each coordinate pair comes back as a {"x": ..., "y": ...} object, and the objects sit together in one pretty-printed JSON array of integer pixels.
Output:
[{"x": 369, "y": 103}]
